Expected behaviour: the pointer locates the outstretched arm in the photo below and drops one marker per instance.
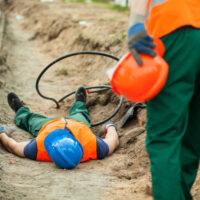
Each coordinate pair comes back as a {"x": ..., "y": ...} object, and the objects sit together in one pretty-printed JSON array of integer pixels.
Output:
[
  {"x": 12, "y": 146},
  {"x": 111, "y": 138}
]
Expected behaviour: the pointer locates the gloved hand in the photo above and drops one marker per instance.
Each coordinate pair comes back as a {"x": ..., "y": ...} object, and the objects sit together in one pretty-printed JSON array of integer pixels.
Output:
[
  {"x": 7, "y": 129},
  {"x": 104, "y": 128},
  {"x": 107, "y": 124},
  {"x": 139, "y": 41}
]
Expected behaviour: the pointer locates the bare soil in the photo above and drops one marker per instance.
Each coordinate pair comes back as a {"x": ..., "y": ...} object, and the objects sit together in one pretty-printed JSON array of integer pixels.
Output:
[{"x": 36, "y": 33}]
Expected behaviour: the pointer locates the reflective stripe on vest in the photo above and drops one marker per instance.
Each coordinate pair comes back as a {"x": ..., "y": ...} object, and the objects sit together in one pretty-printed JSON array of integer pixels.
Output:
[
  {"x": 79, "y": 130},
  {"x": 167, "y": 15}
]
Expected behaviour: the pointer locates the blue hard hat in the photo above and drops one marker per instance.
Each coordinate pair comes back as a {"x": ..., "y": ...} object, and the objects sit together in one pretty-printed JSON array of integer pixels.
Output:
[{"x": 63, "y": 148}]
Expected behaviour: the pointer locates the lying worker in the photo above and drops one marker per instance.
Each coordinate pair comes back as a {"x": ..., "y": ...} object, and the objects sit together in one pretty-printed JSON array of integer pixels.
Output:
[{"x": 67, "y": 140}]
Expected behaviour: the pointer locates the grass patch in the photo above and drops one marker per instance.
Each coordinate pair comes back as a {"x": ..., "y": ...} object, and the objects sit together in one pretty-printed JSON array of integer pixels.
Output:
[
  {"x": 123, "y": 36},
  {"x": 101, "y": 1},
  {"x": 74, "y": 1},
  {"x": 119, "y": 8},
  {"x": 109, "y": 5}
]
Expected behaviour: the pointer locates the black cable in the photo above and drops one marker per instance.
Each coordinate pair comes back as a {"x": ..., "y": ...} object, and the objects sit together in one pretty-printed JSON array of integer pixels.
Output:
[{"x": 102, "y": 88}]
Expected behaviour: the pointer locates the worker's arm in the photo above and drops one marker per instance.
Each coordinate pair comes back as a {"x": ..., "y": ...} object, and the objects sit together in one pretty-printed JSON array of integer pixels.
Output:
[
  {"x": 12, "y": 146},
  {"x": 111, "y": 139},
  {"x": 137, "y": 11},
  {"x": 110, "y": 135},
  {"x": 139, "y": 40}
]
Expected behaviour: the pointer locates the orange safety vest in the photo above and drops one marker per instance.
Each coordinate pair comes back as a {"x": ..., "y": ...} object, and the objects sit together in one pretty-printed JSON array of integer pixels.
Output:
[
  {"x": 166, "y": 16},
  {"x": 79, "y": 130}
]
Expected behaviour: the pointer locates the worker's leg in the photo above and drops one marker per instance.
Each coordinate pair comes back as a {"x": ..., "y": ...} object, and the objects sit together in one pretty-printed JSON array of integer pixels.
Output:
[
  {"x": 79, "y": 112},
  {"x": 31, "y": 122},
  {"x": 12, "y": 146},
  {"x": 190, "y": 145},
  {"x": 167, "y": 116}
]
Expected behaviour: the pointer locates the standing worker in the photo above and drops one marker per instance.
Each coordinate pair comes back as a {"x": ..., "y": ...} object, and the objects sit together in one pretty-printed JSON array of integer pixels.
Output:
[{"x": 173, "y": 128}]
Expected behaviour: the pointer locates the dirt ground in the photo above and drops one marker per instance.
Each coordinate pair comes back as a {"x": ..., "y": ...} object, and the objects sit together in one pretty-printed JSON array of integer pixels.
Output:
[{"x": 35, "y": 34}]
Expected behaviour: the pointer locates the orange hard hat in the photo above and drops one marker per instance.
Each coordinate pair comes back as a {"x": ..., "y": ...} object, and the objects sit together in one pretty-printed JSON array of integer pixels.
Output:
[
  {"x": 139, "y": 83},
  {"x": 160, "y": 48}
]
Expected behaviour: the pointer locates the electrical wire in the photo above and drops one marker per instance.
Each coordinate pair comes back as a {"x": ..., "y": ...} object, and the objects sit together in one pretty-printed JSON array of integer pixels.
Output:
[{"x": 102, "y": 87}]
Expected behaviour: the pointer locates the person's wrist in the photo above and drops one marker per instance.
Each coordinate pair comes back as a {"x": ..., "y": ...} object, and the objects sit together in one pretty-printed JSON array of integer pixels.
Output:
[
  {"x": 137, "y": 18},
  {"x": 111, "y": 124},
  {"x": 2, "y": 133},
  {"x": 111, "y": 128}
]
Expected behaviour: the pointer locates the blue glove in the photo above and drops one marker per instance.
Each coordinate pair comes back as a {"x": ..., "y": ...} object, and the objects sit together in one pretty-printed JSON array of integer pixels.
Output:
[
  {"x": 139, "y": 41},
  {"x": 107, "y": 124},
  {"x": 7, "y": 129}
]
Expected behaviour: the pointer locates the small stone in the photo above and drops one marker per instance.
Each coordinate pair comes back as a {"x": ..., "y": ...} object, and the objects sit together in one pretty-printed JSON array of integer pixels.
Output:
[
  {"x": 141, "y": 122},
  {"x": 148, "y": 190},
  {"x": 12, "y": 162},
  {"x": 141, "y": 117}
]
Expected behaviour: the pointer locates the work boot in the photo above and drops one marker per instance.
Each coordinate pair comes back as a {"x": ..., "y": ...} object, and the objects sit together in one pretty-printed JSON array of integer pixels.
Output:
[
  {"x": 81, "y": 94},
  {"x": 14, "y": 102}
]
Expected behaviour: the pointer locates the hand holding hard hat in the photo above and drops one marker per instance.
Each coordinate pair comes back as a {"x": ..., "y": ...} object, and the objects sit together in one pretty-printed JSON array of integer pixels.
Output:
[
  {"x": 140, "y": 83},
  {"x": 139, "y": 41}
]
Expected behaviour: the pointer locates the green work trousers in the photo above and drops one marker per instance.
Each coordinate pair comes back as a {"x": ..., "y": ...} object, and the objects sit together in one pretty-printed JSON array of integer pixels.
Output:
[
  {"x": 173, "y": 119},
  {"x": 33, "y": 122}
]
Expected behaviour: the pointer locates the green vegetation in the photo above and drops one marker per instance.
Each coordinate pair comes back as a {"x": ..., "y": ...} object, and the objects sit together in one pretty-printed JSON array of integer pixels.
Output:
[
  {"x": 74, "y": 1},
  {"x": 123, "y": 36},
  {"x": 108, "y": 3},
  {"x": 101, "y": 1},
  {"x": 119, "y": 8}
]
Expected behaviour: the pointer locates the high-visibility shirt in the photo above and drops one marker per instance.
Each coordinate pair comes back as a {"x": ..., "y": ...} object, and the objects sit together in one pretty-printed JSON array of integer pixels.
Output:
[
  {"x": 165, "y": 16},
  {"x": 78, "y": 129}
]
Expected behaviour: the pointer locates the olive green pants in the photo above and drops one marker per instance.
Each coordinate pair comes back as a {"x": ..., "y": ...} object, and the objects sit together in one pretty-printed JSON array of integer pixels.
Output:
[
  {"x": 173, "y": 119},
  {"x": 33, "y": 122}
]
